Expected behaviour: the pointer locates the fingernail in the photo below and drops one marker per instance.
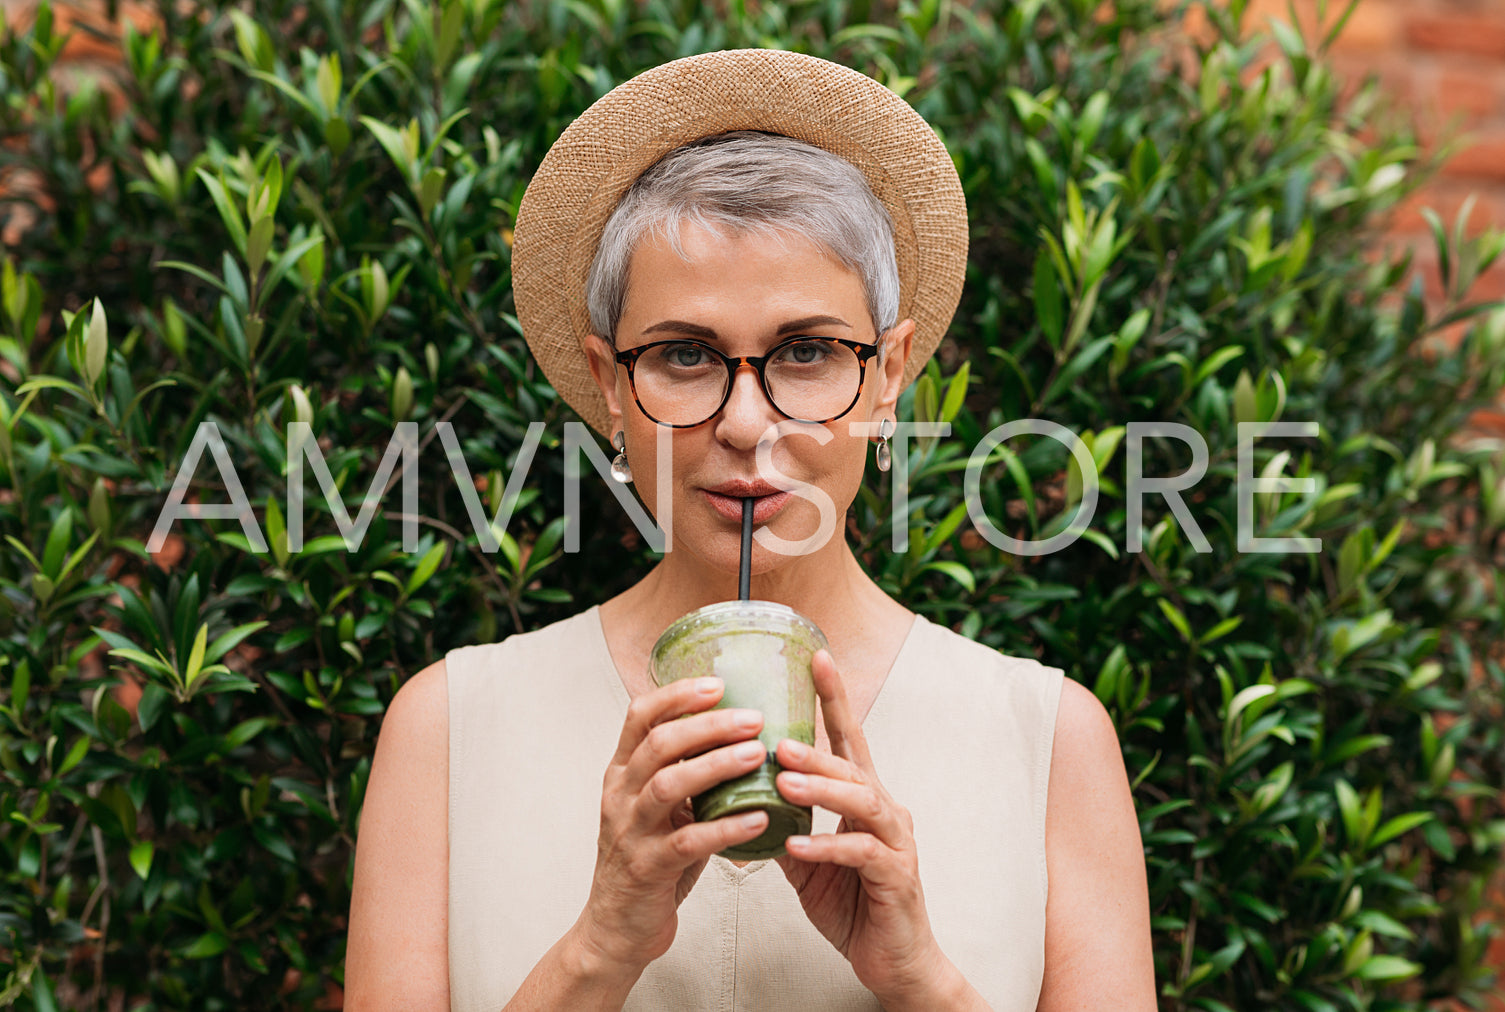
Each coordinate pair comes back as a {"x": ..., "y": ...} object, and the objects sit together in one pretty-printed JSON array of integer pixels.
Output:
[
  {"x": 794, "y": 780},
  {"x": 796, "y": 842},
  {"x": 748, "y": 718},
  {"x": 706, "y": 686},
  {"x": 749, "y": 750},
  {"x": 751, "y": 820},
  {"x": 796, "y": 749}
]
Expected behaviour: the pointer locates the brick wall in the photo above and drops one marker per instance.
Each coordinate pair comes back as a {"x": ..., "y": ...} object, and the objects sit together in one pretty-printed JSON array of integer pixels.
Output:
[{"x": 1443, "y": 63}]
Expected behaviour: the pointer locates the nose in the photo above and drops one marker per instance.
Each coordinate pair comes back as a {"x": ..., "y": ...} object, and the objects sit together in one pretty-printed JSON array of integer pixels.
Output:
[{"x": 747, "y": 413}]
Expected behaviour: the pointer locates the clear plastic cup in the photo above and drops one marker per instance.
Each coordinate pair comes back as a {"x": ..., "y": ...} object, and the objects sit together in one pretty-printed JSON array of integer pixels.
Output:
[{"x": 761, "y": 650}]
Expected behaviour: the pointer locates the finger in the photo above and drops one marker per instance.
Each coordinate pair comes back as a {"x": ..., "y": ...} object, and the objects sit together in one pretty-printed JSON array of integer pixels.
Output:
[
  {"x": 699, "y": 840},
  {"x": 669, "y": 742},
  {"x": 841, "y": 724},
  {"x": 862, "y": 805},
  {"x": 685, "y": 695},
  {"x": 668, "y": 788},
  {"x": 876, "y": 863},
  {"x": 796, "y": 755}
]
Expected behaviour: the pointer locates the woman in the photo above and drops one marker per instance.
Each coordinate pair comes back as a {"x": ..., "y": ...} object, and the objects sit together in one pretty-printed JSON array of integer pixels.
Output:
[{"x": 690, "y": 248}]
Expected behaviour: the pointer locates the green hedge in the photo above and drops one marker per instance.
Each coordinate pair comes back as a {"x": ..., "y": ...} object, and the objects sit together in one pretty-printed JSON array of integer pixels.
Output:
[{"x": 303, "y": 214}]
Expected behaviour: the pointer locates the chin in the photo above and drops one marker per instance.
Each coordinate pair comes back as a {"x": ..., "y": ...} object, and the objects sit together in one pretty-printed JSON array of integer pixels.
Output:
[{"x": 720, "y": 546}]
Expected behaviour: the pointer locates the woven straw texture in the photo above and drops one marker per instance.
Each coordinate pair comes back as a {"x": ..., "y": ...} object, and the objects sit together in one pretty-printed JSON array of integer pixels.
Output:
[{"x": 600, "y": 154}]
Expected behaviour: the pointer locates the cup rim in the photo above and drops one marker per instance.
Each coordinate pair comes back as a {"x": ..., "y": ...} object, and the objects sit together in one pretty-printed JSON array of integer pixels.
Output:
[{"x": 767, "y": 609}]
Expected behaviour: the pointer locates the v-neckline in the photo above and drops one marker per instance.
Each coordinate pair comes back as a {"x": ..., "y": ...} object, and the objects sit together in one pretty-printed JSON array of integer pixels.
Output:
[{"x": 878, "y": 709}]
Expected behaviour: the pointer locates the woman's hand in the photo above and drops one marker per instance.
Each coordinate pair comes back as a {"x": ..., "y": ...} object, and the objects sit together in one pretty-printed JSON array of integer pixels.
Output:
[
  {"x": 650, "y": 850},
  {"x": 860, "y": 886}
]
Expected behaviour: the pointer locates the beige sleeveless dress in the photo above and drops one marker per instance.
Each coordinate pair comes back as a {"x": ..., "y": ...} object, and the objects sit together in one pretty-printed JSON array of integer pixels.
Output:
[{"x": 960, "y": 735}]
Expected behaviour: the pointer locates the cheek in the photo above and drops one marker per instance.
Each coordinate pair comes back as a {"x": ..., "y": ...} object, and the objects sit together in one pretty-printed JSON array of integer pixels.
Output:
[
  {"x": 855, "y": 462},
  {"x": 842, "y": 464},
  {"x": 646, "y": 462}
]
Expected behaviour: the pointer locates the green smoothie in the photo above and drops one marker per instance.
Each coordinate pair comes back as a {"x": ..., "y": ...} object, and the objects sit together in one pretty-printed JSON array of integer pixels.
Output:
[{"x": 761, "y": 650}]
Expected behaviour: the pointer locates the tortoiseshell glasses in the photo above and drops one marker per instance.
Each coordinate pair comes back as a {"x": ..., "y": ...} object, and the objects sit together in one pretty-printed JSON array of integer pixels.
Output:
[{"x": 682, "y": 383}]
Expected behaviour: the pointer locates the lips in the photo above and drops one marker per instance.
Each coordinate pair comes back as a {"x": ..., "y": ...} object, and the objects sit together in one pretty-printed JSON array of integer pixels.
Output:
[
  {"x": 726, "y": 498},
  {"x": 742, "y": 488}
]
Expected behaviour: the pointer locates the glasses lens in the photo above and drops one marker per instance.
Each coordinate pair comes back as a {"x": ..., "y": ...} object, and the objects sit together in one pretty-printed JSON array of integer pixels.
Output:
[
  {"x": 813, "y": 379},
  {"x": 679, "y": 384}
]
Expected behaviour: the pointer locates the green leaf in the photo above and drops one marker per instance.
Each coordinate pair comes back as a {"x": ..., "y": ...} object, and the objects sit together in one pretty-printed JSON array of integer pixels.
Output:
[
  {"x": 154, "y": 700},
  {"x": 299, "y": 99},
  {"x": 1177, "y": 619},
  {"x": 259, "y": 243},
  {"x": 245, "y": 731},
  {"x": 1387, "y": 968},
  {"x": 1349, "y": 807},
  {"x": 1357, "y": 635},
  {"x": 57, "y": 545},
  {"x": 54, "y": 383},
  {"x": 943, "y": 531},
  {"x": 1214, "y": 362},
  {"x": 1220, "y": 630},
  {"x": 42, "y": 995},
  {"x": 1079, "y": 364},
  {"x": 226, "y": 642},
  {"x": 228, "y": 212},
  {"x": 1048, "y": 302},
  {"x": 206, "y": 946},
  {"x": 1244, "y": 698},
  {"x": 426, "y": 568},
  {"x": 958, "y": 572},
  {"x": 145, "y": 660},
  {"x": 196, "y": 271},
  {"x": 324, "y": 544},
  {"x": 75, "y": 755},
  {"x": 96, "y": 345},
  {"x": 196, "y": 655},
  {"x": 1020, "y": 475},
  {"x": 141, "y": 858},
  {"x": 20, "y": 547},
  {"x": 956, "y": 393},
  {"x": 286, "y": 262},
  {"x": 394, "y": 143},
  {"x": 1398, "y": 825},
  {"x": 926, "y": 400},
  {"x": 1106, "y": 687},
  {"x": 1101, "y": 540},
  {"x": 253, "y": 42},
  {"x": 1356, "y": 746}
]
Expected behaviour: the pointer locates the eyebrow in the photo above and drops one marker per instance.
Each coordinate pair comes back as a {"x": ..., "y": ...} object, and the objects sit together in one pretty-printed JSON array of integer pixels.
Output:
[{"x": 698, "y": 330}]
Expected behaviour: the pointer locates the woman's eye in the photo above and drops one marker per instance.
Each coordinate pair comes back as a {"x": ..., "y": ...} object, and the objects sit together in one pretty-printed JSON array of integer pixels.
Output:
[
  {"x": 805, "y": 352},
  {"x": 684, "y": 355}
]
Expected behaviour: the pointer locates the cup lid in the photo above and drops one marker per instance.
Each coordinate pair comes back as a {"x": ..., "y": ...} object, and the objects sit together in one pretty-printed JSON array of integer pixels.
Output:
[{"x": 721, "y": 611}]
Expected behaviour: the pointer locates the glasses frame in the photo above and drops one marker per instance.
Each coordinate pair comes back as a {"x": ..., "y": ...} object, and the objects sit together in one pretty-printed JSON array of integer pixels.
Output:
[{"x": 863, "y": 350}]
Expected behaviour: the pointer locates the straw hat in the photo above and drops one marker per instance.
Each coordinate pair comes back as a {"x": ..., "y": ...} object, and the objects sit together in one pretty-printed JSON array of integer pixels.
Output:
[{"x": 599, "y": 156}]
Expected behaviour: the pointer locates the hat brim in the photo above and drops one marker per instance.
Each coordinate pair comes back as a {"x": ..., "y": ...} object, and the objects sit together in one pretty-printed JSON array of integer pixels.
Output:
[{"x": 598, "y": 157}]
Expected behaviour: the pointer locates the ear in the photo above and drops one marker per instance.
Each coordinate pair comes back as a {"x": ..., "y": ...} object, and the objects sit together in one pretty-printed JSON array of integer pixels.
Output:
[
  {"x": 603, "y": 365},
  {"x": 899, "y": 340}
]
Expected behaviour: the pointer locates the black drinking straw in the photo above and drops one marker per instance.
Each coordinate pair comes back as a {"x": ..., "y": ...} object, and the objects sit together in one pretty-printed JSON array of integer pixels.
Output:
[{"x": 744, "y": 576}]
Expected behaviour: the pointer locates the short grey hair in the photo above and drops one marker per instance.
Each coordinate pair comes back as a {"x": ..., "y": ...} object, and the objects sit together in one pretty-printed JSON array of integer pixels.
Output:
[{"x": 749, "y": 181}]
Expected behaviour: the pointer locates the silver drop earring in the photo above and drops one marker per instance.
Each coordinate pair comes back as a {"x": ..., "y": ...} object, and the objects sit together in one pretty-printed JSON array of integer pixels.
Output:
[
  {"x": 884, "y": 458},
  {"x": 620, "y": 470}
]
